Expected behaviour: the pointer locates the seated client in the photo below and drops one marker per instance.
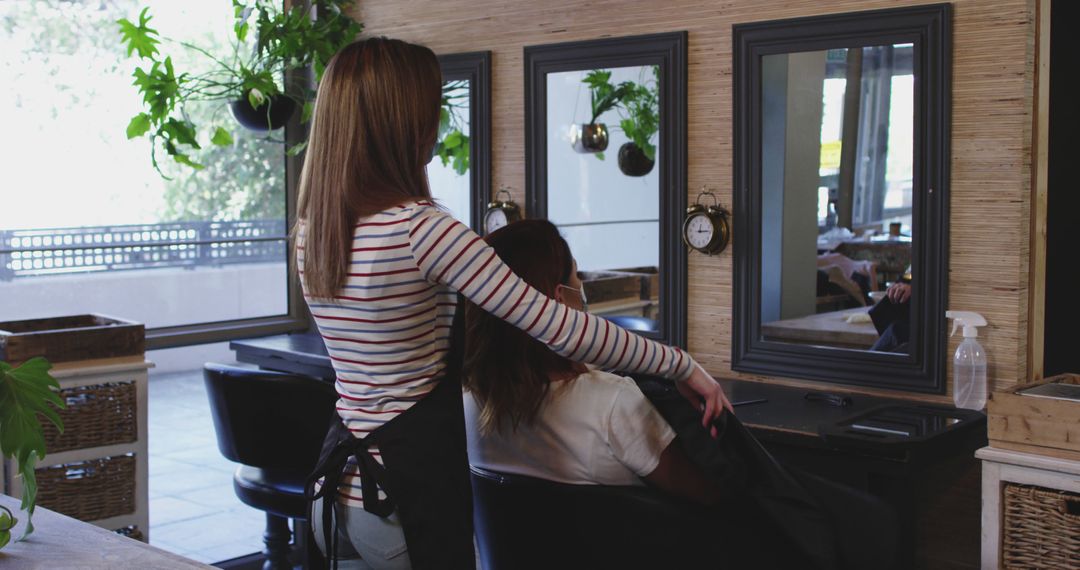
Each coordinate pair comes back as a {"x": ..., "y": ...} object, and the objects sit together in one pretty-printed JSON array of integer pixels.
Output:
[{"x": 529, "y": 411}]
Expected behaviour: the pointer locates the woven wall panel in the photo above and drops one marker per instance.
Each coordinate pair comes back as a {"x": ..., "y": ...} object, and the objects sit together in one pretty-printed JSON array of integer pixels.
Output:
[{"x": 993, "y": 72}]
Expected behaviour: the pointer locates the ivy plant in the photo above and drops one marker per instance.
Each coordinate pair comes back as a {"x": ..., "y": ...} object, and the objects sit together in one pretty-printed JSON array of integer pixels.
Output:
[
  {"x": 267, "y": 43},
  {"x": 26, "y": 392}
]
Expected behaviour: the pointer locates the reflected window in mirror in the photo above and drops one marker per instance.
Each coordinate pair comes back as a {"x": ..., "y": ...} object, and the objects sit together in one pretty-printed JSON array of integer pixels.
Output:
[
  {"x": 603, "y": 186},
  {"x": 459, "y": 171},
  {"x": 841, "y": 172},
  {"x": 837, "y": 197},
  {"x": 606, "y": 163},
  {"x": 448, "y": 172}
]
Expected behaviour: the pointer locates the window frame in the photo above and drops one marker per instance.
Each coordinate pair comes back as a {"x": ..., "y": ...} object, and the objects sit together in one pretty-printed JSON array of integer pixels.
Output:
[{"x": 296, "y": 318}]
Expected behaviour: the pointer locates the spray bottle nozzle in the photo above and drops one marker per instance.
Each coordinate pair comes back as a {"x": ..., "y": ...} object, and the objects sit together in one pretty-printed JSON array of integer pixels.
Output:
[{"x": 967, "y": 319}]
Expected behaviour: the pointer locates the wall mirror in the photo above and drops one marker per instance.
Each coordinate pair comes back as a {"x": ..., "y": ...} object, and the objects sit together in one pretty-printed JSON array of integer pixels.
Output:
[
  {"x": 460, "y": 170},
  {"x": 841, "y": 197},
  {"x": 605, "y": 150}
]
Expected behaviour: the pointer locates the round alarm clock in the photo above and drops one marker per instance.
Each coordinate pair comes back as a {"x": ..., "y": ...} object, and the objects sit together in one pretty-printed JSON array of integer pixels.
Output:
[
  {"x": 706, "y": 228},
  {"x": 501, "y": 212}
]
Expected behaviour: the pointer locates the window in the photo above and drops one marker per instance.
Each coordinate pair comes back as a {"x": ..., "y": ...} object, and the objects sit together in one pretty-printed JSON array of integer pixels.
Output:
[{"x": 88, "y": 225}]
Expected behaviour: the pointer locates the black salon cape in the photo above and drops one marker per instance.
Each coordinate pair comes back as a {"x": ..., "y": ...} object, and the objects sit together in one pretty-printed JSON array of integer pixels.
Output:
[{"x": 773, "y": 516}]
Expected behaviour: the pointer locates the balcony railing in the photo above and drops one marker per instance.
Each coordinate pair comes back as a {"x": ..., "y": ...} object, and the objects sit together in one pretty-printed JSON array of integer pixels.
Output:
[{"x": 26, "y": 253}]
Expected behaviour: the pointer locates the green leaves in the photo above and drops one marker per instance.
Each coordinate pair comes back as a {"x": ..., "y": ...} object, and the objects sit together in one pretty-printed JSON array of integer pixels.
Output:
[
  {"x": 453, "y": 151},
  {"x": 7, "y": 522},
  {"x": 139, "y": 126},
  {"x": 139, "y": 38},
  {"x": 603, "y": 95},
  {"x": 159, "y": 87},
  {"x": 221, "y": 137},
  {"x": 638, "y": 105},
  {"x": 27, "y": 392},
  {"x": 283, "y": 41}
]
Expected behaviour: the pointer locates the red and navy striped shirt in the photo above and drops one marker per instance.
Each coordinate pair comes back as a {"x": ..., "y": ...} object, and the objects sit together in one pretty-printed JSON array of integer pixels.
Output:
[{"x": 388, "y": 329}]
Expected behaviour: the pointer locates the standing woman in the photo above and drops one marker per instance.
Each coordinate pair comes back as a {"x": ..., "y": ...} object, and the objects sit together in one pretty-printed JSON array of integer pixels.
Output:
[{"x": 381, "y": 266}]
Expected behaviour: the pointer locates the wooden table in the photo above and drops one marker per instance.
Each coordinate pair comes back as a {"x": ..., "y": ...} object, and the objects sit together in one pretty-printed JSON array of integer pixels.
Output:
[
  {"x": 60, "y": 542},
  {"x": 824, "y": 329}
]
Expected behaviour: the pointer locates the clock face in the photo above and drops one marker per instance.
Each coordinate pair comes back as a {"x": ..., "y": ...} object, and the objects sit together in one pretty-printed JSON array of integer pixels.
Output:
[
  {"x": 699, "y": 231},
  {"x": 495, "y": 219}
]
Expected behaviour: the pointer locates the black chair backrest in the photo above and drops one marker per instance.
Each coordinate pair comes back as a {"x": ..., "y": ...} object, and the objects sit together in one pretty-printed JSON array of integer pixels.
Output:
[
  {"x": 269, "y": 419},
  {"x": 525, "y": 522}
]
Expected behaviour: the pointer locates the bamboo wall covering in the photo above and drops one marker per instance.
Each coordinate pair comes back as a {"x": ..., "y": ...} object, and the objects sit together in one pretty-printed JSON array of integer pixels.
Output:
[{"x": 992, "y": 90}]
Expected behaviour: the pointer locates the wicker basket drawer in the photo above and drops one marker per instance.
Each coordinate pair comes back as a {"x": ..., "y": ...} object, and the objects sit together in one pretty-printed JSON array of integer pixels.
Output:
[
  {"x": 1041, "y": 528},
  {"x": 97, "y": 415},
  {"x": 89, "y": 490}
]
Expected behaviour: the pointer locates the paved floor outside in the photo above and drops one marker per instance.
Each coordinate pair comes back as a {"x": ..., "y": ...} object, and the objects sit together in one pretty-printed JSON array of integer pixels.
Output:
[{"x": 193, "y": 510}]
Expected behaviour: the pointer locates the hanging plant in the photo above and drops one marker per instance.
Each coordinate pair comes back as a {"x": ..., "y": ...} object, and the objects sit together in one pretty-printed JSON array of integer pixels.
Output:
[
  {"x": 26, "y": 391},
  {"x": 592, "y": 137},
  {"x": 277, "y": 41},
  {"x": 640, "y": 111},
  {"x": 452, "y": 146}
]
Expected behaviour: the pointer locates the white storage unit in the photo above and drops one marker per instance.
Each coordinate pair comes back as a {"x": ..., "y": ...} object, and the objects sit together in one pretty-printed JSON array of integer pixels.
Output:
[
  {"x": 1003, "y": 468},
  {"x": 98, "y": 472}
]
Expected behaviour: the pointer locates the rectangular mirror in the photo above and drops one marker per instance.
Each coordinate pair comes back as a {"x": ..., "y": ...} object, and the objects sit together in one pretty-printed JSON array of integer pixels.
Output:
[
  {"x": 605, "y": 162},
  {"x": 841, "y": 197},
  {"x": 459, "y": 172}
]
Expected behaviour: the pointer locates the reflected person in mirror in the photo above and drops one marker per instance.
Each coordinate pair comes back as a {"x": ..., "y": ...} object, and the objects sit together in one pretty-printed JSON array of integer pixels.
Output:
[{"x": 892, "y": 318}]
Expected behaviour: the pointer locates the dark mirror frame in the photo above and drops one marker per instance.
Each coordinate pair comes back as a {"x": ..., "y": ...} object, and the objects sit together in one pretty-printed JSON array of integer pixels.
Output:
[
  {"x": 668, "y": 50},
  {"x": 476, "y": 68},
  {"x": 929, "y": 29}
]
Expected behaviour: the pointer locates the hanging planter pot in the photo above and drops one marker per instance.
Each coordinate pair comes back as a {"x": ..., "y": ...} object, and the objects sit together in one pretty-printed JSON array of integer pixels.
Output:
[
  {"x": 270, "y": 116},
  {"x": 590, "y": 138},
  {"x": 633, "y": 161}
]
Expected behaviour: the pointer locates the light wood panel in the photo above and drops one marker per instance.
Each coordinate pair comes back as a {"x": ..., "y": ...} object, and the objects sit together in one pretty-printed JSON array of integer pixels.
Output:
[
  {"x": 1040, "y": 154},
  {"x": 993, "y": 77}
]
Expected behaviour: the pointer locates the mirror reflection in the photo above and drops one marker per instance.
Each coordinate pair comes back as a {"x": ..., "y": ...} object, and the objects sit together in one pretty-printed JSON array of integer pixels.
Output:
[
  {"x": 837, "y": 146},
  {"x": 603, "y": 186},
  {"x": 448, "y": 171}
]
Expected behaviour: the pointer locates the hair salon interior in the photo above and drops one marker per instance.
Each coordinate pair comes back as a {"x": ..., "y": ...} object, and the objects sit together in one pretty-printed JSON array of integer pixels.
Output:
[{"x": 853, "y": 214}]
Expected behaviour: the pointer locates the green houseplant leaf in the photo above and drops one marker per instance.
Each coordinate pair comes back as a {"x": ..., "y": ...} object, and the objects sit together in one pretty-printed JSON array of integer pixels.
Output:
[
  {"x": 138, "y": 126},
  {"x": 221, "y": 137},
  {"x": 27, "y": 392},
  {"x": 139, "y": 38}
]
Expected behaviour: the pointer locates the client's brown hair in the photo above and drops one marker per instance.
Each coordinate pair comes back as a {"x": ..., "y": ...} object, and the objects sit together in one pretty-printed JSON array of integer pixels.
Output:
[{"x": 506, "y": 370}]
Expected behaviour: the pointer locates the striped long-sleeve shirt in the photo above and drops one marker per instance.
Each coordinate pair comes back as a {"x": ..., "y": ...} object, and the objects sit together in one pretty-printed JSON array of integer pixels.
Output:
[{"x": 388, "y": 330}]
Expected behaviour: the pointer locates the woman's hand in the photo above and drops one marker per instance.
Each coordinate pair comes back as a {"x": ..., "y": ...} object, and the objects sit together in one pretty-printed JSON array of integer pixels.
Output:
[{"x": 705, "y": 393}]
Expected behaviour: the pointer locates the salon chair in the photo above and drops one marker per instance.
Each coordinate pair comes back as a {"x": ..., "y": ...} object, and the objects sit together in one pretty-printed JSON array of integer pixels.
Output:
[
  {"x": 273, "y": 425},
  {"x": 524, "y": 522}
]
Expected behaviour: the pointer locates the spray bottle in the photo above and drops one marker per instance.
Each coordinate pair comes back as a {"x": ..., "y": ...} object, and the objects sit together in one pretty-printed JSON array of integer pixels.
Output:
[{"x": 969, "y": 362}]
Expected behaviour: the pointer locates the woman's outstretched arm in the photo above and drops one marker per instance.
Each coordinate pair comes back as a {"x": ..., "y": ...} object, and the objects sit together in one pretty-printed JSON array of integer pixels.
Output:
[{"x": 448, "y": 252}]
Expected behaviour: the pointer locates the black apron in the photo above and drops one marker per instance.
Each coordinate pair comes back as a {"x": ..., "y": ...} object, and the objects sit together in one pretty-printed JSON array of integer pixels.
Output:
[{"x": 425, "y": 474}]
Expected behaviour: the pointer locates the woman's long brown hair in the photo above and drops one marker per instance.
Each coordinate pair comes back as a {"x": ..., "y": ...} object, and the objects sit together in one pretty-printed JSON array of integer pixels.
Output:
[
  {"x": 506, "y": 370},
  {"x": 374, "y": 127}
]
